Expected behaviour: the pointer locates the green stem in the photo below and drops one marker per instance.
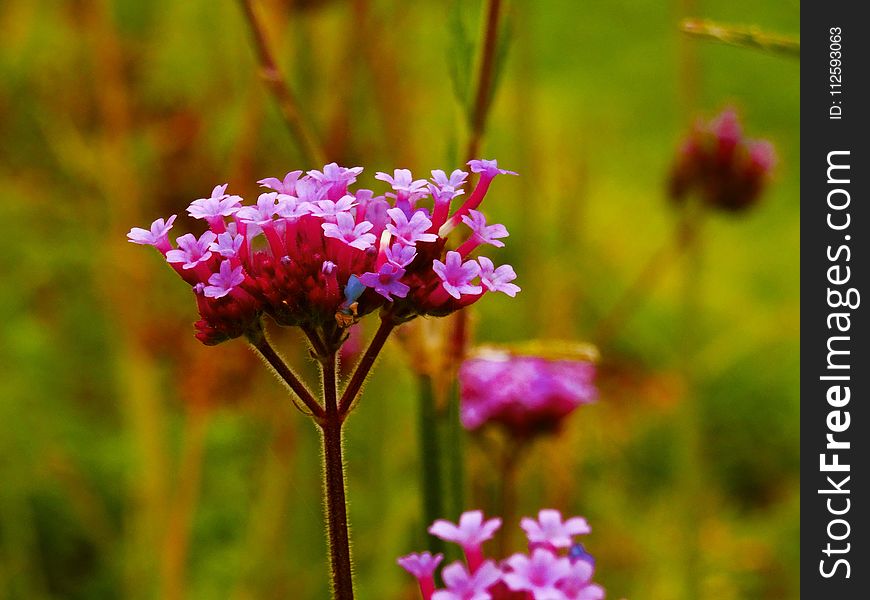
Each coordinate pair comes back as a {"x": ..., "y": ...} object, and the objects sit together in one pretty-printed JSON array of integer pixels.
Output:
[
  {"x": 485, "y": 79},
  {"x": 430, "y": 459},
  {"x": 689, "y": 419},
  {"x": 454, "y": 443},
  {"x": 508, "y": 492},
  {"x": 309, "y": 147},
  {"x": 333, "y": 467}
]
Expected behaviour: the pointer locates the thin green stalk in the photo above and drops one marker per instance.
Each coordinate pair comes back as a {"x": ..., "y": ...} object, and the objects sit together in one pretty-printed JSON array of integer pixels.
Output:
[
  {"x": 430, "y": 457},
  {"x": 309, "y": 146},
  {"x": 485, "y": 78},
  {"x": 689, "y": 422},
  {"x": 454, "y": 442},
  {"x": 507, "y": 470}
]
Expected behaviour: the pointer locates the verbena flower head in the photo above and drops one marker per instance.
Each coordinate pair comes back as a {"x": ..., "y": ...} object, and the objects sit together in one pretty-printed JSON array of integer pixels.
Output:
[
  {"x": 311, "y": 252},
  {"x": 724, "y": 168},
  {"x": 548, "y": 571},
  {"x": 525, "y": 394}
]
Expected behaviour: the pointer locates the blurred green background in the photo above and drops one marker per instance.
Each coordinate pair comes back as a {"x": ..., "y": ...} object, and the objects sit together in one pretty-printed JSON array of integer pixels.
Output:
[{"x": 136, "y": 463}]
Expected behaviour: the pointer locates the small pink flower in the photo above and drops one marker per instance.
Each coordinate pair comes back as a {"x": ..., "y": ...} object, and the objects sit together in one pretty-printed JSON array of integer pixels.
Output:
[
  {"x": 309, "y": 190},
  {"x": 456, "y": 276},
  {"x": 330, "y": 209},
  {"x": 336, "y": 178},
  {"x": 577, "y": 584},
  {"x": 354, "y": 235},
  {"x": 422, "y": 566},
  {"x": 471, "y": 532},
  {"x": 291, "y": 208},
  {"x": 497, "y": 280},
  {"x": 403, "y": 181},
  {"x": 157, "y": 235},
  {"x": 550, "y": 530},
  {"x": 217, "y": 206},
  {"x": 462, "y": 585},
  {"x": 285, "y": 186},
  {"x": 262, "y": 213},
  {"x": 223, "y": 282},
  {"x": 409, "y": 232},
  {"x": 538, "y": 575},
  {"x": 386, "y": 281},
  {"x": 455, "y": 181},
  {"x": 191, "y": 251},
  {"x": 227, "y": 244},
  {"x": 400, "y": 255},
  {"x": 488, "y": 168},
  {"x": 486, "y": 234}
]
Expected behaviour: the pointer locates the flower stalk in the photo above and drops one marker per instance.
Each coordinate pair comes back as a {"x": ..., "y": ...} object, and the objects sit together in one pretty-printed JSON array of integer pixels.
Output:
[
  {"x": 431, "y": 471},
  {"x": 315, "y": 255},
  {"x": 334, "y": 487}
]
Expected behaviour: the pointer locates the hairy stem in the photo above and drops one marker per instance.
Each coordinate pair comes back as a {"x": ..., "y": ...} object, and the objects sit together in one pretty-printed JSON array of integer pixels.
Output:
[
  {"x": 260, "y": 342},
  {"x": 333, "y": 469},
  {"x": 364, "y": 366},
  {"x": 310, "y": 148}
]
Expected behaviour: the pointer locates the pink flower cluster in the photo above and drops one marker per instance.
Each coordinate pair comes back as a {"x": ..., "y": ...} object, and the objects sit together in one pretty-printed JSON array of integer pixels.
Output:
[
  {"x": 554, "y": 568},
  {"x": 524, "y": 394},
  {"x": 727, "y": 170},
  {"x": 311, "y": 252}
]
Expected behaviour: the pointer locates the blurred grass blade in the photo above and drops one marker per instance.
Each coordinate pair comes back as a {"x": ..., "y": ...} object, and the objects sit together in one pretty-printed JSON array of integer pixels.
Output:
[
  {"x": 746, "y": 37},
  {"x": 460, "y": 57}
]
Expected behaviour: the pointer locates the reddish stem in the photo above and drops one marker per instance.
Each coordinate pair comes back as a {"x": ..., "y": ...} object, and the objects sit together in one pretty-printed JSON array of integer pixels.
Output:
[
  {"x": 261, "y": 344},
  {"x": 333, "y": 467}
]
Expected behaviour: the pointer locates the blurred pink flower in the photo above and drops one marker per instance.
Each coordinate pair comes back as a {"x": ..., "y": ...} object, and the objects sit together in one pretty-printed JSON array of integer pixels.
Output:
[
  {"x": 727, "y": 170},
  {"x": 550, "y": 531},
  {"x": 422, "y": 566},
  {"x": 525, "y": 394}
]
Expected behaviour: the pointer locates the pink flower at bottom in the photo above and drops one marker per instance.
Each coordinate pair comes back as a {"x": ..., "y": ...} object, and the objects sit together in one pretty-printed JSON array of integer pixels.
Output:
[
  {"x": 462, "y": 585},
  {"x": 539, "y": 574}
]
